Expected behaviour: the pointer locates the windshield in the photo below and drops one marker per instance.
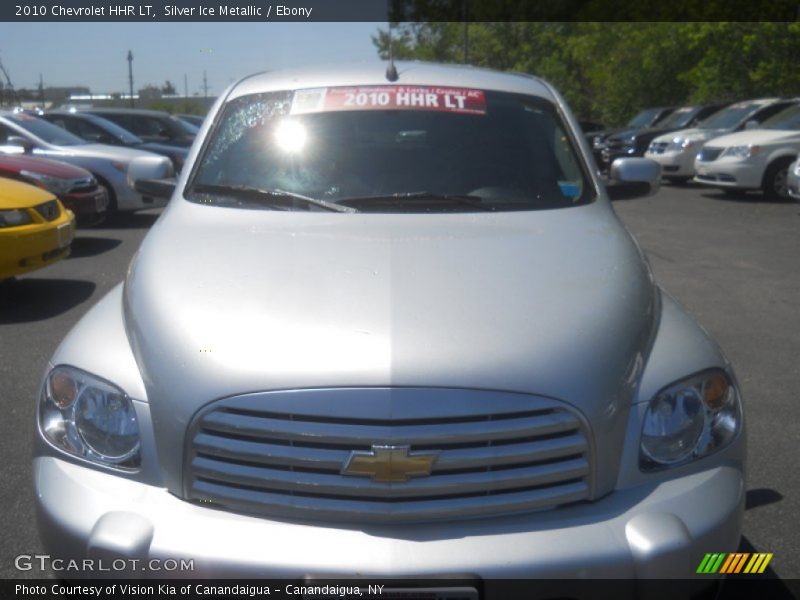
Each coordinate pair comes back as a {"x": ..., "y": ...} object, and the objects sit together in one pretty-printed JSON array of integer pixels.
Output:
[
  {"x": 730, "y": 117},
  {"x": 52, "y": 134},
  {"x": 183, "y": 126},
  {"x": 680, "y": 118},
  {"x": 392, "y": 149},
  {"x": 644, "y": 118},
  {"x": 123, "y": 135},
  {"x": 787, "y": 119}
]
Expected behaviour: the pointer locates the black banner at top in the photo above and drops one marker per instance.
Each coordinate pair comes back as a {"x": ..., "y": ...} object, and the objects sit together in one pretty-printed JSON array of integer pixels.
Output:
[{"x": 397, "y": 10}]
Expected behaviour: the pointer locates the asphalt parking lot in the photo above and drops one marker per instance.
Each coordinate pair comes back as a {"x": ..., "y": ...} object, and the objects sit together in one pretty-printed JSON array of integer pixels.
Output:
[{"x": 733, "y": 261}]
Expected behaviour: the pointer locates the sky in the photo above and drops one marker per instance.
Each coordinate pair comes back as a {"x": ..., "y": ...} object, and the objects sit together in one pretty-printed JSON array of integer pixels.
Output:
[{"x": 95, "y": 54}]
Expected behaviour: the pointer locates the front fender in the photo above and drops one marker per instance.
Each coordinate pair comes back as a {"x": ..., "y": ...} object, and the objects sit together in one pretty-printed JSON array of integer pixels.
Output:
[
  {"x": 681, "y": 348},
  {"x": 99, "y": 344}
]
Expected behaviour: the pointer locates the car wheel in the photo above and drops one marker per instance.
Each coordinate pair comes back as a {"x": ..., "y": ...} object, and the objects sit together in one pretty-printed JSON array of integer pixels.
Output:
[
  {"x": 775, "y": 183},
  {"x": 112, "y": 211}
]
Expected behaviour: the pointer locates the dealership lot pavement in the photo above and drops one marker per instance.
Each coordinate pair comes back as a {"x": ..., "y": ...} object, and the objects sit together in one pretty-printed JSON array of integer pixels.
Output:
[{"x": 733, "y": 261}]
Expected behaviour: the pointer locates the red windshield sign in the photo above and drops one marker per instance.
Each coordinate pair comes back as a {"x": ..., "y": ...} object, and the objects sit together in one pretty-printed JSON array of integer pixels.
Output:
[{"x": 390, "y": 97}]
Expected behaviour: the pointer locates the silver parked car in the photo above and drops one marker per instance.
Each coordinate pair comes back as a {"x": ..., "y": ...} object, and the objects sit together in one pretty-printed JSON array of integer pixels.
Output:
[
  {"x": 25, "y": 133},
  {"x": 393, "y": 328}
]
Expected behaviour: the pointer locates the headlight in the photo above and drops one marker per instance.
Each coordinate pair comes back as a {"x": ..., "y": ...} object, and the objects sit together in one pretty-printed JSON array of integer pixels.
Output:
[
  {"x": 56, "y": 185},
  {"x": 679, "y": 143},
  {"x": 740, "y": 151},
  {"x": 689, "y": 420},
  {"x": 14, "y": 218},
  {"x": 90, "y": 418},
  {"x": 797, "y": 168},
  {"x": 597, "y": 142}
]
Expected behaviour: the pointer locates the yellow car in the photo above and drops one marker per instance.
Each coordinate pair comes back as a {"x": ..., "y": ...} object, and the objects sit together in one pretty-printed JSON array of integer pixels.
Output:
[{"x": 35, "y": 228}]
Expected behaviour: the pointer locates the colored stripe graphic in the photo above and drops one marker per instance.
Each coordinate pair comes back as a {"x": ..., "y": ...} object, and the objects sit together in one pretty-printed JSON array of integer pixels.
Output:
[
  {"x": 736, "y": 562},
  {"x": 727, "y": 564}
]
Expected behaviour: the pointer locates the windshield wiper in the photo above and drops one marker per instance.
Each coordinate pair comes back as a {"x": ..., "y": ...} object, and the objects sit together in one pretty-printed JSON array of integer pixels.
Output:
[
  {"x": 419, "y": 198},
  {"x": 275, "y": 198}
]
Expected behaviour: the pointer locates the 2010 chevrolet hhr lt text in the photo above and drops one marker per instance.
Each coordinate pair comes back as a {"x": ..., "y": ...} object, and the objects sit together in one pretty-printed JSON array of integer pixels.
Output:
[{"x": 390, "y": 325}]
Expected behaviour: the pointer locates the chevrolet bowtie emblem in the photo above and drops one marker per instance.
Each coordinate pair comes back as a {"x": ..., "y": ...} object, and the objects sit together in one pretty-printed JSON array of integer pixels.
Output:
[{"x": 389, "y": 464}]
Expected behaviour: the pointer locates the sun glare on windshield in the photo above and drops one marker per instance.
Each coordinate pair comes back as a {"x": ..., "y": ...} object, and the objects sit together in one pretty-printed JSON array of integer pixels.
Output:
[{"x": 291, "y": 136}]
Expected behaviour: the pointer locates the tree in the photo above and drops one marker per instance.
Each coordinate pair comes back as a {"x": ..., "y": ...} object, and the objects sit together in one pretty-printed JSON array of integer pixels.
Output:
[
  {"x": 168, "y": 89},
  {"x": 609, "y": 71}
]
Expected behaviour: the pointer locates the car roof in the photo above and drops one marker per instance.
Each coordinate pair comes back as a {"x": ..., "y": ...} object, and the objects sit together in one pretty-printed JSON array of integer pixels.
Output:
[
  {"x": 374, "y": 73},
  {"x": 126, "y": 111}
]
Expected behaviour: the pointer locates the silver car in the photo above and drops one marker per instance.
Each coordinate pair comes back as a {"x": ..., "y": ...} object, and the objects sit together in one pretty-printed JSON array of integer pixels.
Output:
[
  {"x": 393, "y": 328},
  {"x": 25, "y": 133}
]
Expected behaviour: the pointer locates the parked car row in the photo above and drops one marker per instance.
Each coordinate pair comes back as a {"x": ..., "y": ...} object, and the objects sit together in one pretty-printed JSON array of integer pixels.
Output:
[
  {"x": 747, "y": 145},
  {"x": 66, "y": 167}
]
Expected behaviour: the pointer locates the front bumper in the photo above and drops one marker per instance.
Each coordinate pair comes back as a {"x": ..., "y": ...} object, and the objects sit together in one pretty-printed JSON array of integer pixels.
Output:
[
  {"x": 89, "y": 207},
  {"x": 658, "y": 530},
  {"x": 30, "y": 247},
  {"x": 730, "y": 173},
  {"x": 674, "y": 165}
]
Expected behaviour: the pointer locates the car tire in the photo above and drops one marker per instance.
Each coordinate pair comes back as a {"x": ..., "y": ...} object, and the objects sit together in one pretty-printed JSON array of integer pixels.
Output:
[
  {"x": 112, "y": 210},
  {"x": 774, "y": 184}
]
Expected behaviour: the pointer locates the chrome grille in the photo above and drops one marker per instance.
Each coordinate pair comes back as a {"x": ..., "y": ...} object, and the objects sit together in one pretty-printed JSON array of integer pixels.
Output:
[
  {"x": 49, "y": 210},
  {"x": 709, "y": 153},
  {"x": 519, "y": 454}
]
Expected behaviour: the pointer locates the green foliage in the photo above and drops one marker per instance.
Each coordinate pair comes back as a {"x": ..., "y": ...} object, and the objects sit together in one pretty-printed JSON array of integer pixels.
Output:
[{"x": 608, "y": 71}]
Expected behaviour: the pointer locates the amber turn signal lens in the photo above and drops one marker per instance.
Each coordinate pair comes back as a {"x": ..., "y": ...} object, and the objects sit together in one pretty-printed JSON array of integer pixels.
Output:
[
  {"x": 63, "y": 389},
  {"x": 715, "y": 392}
]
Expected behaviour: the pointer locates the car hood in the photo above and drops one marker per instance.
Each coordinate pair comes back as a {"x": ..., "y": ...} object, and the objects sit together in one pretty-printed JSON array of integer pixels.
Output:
[
  {"x": 694, "y": 134},
  {"x": 115, "y": 153},
  {"x": 757, "y": 137},
  {"x": 237, "y": 300},
  {"x": 16, "y": 194},
  {"x": 164, "y": 149},
  {"x": 52, "y": 168}
]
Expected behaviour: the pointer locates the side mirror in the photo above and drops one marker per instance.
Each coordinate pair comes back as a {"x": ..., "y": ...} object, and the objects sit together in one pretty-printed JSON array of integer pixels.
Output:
[
  {"x": 156, "y": 188},
  {"x": 752, "y": 125},
  {"x": 149, "y": 168},
  {"x": 20, "y": 142},
  {"x": 633, "y": 178}
]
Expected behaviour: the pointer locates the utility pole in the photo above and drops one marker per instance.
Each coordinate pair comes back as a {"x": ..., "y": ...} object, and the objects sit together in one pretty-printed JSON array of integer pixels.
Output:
[
  {"x": 185, "y": 93},
  {"x": 41, "y": 91},
  {"x": 466, "y": 33},
  {"x": 8, "y": 88},
  {"x": 130, "y": 75},
  {"x": 205, "y": 86}
]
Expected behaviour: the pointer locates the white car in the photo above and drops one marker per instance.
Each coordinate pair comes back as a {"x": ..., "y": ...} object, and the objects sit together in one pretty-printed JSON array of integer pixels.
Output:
[
  {"x": 793, "y": 180},
  {"x": 21, "y": 133},
  {"x": 754, "y": 159},
  {"x": 676, "y": 151}
]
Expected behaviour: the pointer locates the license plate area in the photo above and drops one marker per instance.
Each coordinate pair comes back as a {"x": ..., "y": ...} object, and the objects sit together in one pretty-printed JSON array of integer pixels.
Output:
[{"x": 64, "y": 233}]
